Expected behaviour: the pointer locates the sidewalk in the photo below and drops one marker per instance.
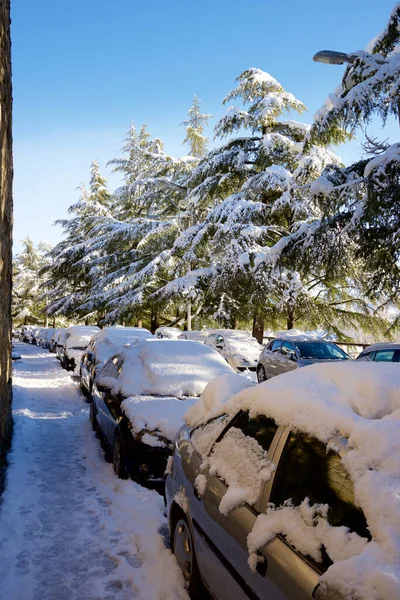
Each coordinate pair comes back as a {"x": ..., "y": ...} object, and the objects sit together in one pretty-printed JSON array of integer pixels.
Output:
[{"x": 69, "y": 529}]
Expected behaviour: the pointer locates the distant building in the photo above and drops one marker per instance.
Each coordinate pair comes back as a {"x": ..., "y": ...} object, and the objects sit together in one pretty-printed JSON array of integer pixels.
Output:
[{"x": 6, "y": 175}]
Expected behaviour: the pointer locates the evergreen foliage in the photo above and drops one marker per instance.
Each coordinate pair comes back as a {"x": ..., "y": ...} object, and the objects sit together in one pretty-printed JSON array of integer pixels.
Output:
[{"x": 194, "y": 126}]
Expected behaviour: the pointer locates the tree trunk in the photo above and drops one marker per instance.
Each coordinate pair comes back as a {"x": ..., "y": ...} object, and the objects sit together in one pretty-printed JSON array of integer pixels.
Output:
[
  {"x": 154, "y": 322},
  {"x": 189, "y": 316},
  {"x": 87, "y": 321},
  {"x": 258, "y": 327},
  {"x": 54, "y": 323},
  {"x": 290, "y": 320},
  {"x": 6, "y": 171},
  {"x": 233, "y": 323},
  {"x": 139, "y": 323},
  {"x": 46, "y": 321}
]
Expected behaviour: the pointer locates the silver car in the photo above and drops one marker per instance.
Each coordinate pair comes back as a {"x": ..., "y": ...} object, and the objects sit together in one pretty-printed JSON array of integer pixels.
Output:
[
  {"x": 282, "y": 355},
  {"x": 382, "y": 352},
  {"x": 211, "y": 547}
]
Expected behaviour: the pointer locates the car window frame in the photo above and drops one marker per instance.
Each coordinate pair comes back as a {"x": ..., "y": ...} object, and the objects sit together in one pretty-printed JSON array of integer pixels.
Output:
[{"x": 269, "y": 347}]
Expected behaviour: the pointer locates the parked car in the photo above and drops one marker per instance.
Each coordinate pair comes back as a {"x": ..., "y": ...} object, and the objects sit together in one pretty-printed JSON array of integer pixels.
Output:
[
  {"x": 260, "y": 501},
  {"x": 43, "y": 337},
  {"x": 139, "y": 398},
  {"x": 195, "y": 335},
  {"x": 239, "y": 348},
  {"x": 76, "y": 340},
  {"x": 53, "y": 340},
  {"x": 32, "y": 335},
  {"x": 286, "y": 354},
  {"x": 102, "y": 346},
  {"x": 24, "y": 336},
  {"x": 60, "y": 339},
  {"x": 382, "y": 352},
  {"x": 169, "y": 333}
]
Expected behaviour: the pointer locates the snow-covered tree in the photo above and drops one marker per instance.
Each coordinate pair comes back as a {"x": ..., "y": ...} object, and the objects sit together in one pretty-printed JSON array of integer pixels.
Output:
[
  {"x": 195, "y": 138},
  {"x": 361, "y": 202},
  {"x": 249, "y": 202},
  {"x": 28, "y": 305},
  {"x": 72, "y": 270}
]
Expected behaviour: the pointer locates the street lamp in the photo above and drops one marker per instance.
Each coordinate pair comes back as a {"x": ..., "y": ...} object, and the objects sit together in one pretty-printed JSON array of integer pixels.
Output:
[{"x": 331, "y": 57}]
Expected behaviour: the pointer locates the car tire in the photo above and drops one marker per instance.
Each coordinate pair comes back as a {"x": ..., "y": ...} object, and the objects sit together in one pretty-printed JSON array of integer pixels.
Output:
[
  {"x": 118, "y": 459},
  {"x": 92, "y": 416},
  {"x": 182, "y": 545},
  {"x": 84, "y": 389},
  {"x": 261, "y": 374}
]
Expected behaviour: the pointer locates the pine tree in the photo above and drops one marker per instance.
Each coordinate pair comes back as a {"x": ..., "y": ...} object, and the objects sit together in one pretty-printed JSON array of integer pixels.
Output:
[
  {"x": 28, "y": 286},
  {"x": 361, "y": 202},
  {"x": 194, "y": 126}
]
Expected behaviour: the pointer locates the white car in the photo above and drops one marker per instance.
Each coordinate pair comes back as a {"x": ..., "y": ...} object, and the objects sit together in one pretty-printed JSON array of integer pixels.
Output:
[
  {"x": 75, "y": 342},
  {"x": 195, "y": 335},
  {"x": 102, "y": 346},
  {"x": 239, "y": 348},
  {"x": 169, "y": 333}
]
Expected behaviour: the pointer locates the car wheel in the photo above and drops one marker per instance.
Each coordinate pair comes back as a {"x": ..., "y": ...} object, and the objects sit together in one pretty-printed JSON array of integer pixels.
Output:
[
  {"x": 92, "y": 416},
  {"x": 183, "y": 549},
  {"x": 118, "y": 459},
  {"x": 261, "y": 375}
]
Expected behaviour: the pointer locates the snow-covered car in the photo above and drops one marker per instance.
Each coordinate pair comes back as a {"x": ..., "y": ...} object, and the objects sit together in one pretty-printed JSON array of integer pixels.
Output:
[
  {"x": 140, "y": 396},
  {"x": 168, "y": 333},
  {"x": 32, "y": 335},
  {"x": 239, "y": 348},
  {"x": 76, "y": 340},
  {"x": 102, "y": 346},
  {"x": 53, "y": 340},
  {"x": 24, "y": 336},
  {"x": 381, "y": 352},
  {"x": 15, "y": 355},
  {"x": 44, "y": 336},
  {"x": 289, "y": 489},
  {"x": 286, "y": 354},
  {"x": 195, "y": 335},
  {"x": 59, "y": 346}
]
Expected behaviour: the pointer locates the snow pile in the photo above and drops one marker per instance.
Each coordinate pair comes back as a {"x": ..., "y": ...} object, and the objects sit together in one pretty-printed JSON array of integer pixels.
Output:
[
  {"x": 110, "y": 340},
  {"x": 361, "y": 403},
  {"x": 175, "y": 368},
  {"x": 215, "y": 395},
  {"x": 169, "y": 333},
  {"x": 162, "y": 416},
  {"x": 79, "y": 336},
  {"x": 242, "y": 463}
]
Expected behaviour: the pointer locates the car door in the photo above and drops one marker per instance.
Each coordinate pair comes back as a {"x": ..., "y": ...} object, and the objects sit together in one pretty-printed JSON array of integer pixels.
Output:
[
  {"x": 306, "y": 468},
  {"x": 269, "y": 358},
  {"x": 105, "y": 400},
  {"x": 287, "y": 358},
  {"x": 225, "y": 533}
]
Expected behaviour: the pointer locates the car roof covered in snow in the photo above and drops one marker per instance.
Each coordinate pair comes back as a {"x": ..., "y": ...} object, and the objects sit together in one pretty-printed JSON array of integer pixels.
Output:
[
  {"x": 382, "y": 346},
  {"x": 359, "y": 402},
  {"x": 177, "y": 368},
  {"x": 111, "y": 340},
  {"x": 81, "y": 334}
]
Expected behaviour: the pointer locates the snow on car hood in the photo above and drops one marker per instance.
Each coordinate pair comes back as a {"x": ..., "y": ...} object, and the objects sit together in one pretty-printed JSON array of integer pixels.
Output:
[
  {"x": 175, "y": 368},
  {"x": 163, "y": 415},
  {"x": 361, "y": 403}
]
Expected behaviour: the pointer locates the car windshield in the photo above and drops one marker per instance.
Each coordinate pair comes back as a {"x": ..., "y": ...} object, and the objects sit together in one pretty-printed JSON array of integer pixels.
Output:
[{"x": 320, "y": 351}]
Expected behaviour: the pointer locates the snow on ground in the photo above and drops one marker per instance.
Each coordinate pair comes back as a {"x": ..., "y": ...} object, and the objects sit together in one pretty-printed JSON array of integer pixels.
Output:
[{"x": 69, "y": 529}]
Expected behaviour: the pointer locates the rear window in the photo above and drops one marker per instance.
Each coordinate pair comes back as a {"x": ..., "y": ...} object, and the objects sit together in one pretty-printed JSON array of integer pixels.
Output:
[{"x": 320, "y": 351}]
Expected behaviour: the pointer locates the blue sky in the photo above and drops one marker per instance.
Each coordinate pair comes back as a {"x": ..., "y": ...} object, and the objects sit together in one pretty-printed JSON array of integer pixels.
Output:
[{"x": 83, "y": 70}]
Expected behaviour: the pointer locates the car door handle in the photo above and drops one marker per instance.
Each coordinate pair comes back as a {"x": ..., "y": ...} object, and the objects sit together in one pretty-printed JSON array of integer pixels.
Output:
[{"x": 262, "y": 564}]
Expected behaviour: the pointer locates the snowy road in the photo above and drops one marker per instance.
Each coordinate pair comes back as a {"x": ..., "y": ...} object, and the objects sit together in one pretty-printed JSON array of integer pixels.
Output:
[{"x": 69, "y": 529}]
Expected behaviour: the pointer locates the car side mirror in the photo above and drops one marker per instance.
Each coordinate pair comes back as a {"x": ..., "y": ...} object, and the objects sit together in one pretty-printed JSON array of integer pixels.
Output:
[
  {"x": 326, "y": 593},
  {"x": 293, "y": 356},
  {"x": 103, "y": 388}
]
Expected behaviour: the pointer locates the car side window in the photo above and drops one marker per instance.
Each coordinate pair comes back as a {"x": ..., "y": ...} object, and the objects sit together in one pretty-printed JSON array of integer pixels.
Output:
[
  {"x": 307, "y": 470},
  {"x": 111, "y": 368},
  {"x": 384, "y": 355},
  {"x": 288, "y": 349},
  {"x": 275, "y": 346},
  {"x": 239, "y": 459}
]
